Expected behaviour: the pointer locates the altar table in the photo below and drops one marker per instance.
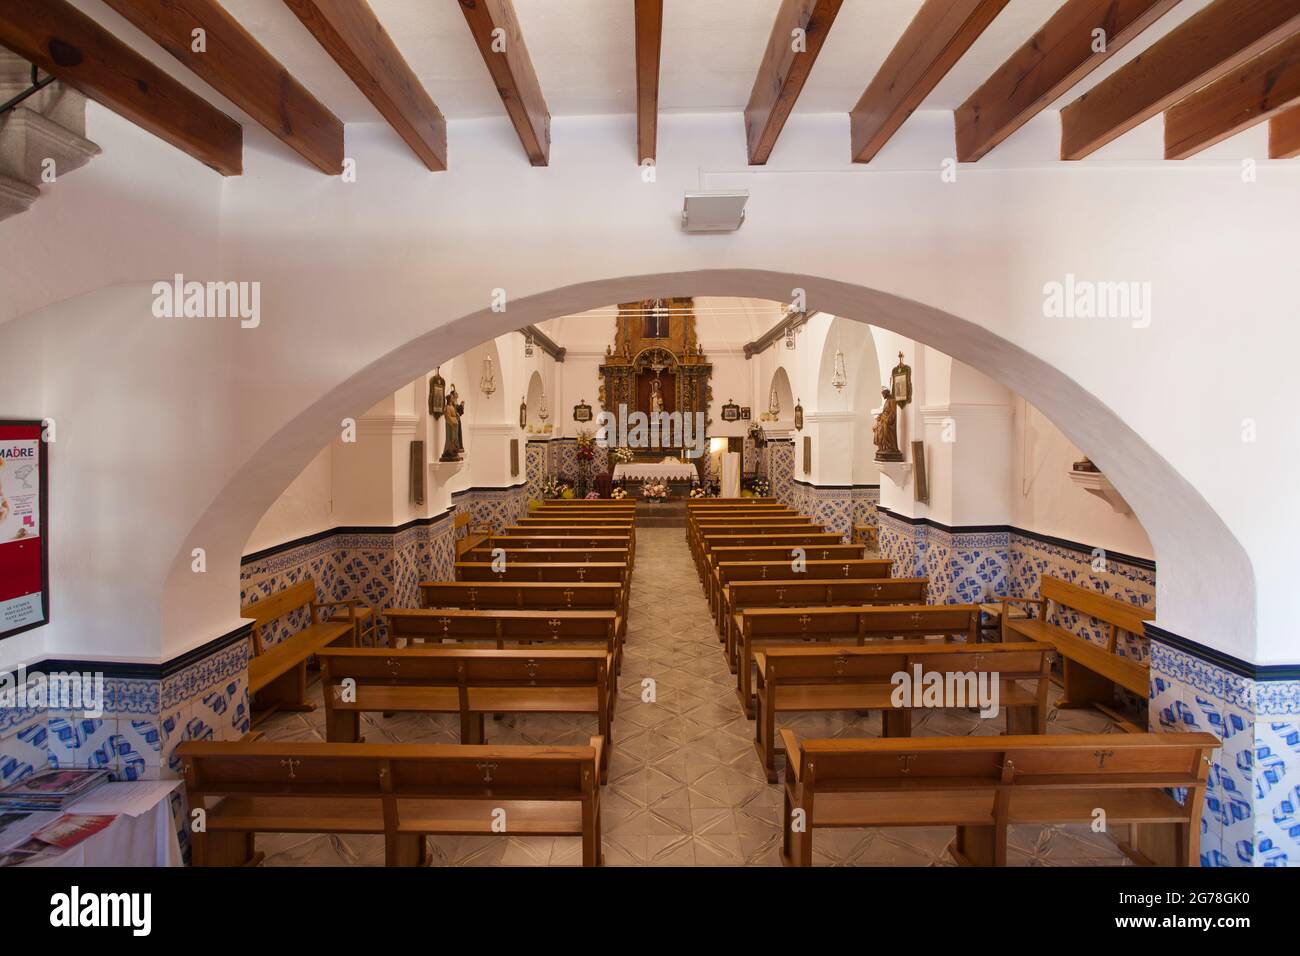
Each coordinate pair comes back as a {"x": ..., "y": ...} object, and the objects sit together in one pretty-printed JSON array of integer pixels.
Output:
[{"x": 642, "y": 471}]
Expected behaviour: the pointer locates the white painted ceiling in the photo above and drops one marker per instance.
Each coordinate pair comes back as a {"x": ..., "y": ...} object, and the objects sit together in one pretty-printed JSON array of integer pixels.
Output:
[
  {"x": 721, "y": 324},
  {"x": 584, "y": 56}
]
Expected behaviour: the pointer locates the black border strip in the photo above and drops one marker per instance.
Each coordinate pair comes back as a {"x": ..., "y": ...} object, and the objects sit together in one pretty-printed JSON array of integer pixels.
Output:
[
  {"x": 1257, "y": 672},
  {"x": 133, "y": 670},
  {"x": 315, "y": 536},
  {"x": 809, "y": 484},
  {"x": 1121, "y": 557}
]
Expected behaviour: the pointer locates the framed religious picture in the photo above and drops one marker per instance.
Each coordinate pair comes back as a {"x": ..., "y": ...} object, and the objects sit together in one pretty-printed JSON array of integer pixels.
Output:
[
  {"x": 582, "y": 412},
  {"x": 437, "y": 395},
  {"x": 730, "y": 411},
  {"x": 746, "y": 413},
  {"x": 900, "y": 382},
  {"x": 24, "y": 527},
  {"x": 921, "y": 490},
  {"x": 523, "y": 414},
  {"x": 514, "y": 458},
  {"x": 798, "y": 415}
]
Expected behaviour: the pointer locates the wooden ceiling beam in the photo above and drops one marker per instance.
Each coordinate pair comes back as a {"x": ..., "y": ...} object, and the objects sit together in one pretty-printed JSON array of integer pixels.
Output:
[
  {"x": 64, "y": 42},
  {"x": 1264, "y": 87},
  {"x": 352, "y": 35},
  {"x": 788, "y": 60},
  {"x": 1284, "y": 135},
  {"x": 940, "y": 33},
  {"x": 512, "y": 70},
  {"x": 649, "y": 41},
  {"x": 234, "y": 64},
  {"x": 1206, "y": 47},
  {"x": 1050, "y": 63}
]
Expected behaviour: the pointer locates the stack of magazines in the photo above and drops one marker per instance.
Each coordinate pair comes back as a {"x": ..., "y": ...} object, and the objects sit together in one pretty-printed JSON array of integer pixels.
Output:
[{"x": 51, "y": 789}]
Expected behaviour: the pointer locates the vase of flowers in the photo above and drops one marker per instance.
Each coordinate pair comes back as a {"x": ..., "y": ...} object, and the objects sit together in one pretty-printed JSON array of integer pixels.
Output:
[
  {"x": 654, "y": 491},
  {"x": 619, "y": 493},
  {"x": 555, "y": 488},
  {"x": 623, "y": 455},
  {"x": 699, "y": 491}
]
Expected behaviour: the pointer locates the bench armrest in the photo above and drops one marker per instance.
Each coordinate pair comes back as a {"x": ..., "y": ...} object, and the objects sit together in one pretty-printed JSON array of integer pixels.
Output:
[
  {"x": 350, "y": 604},
  {"x": 1005, "y": 599},
  {"x": 791, "y": 744},
  {"x": 598, "y": 743}
]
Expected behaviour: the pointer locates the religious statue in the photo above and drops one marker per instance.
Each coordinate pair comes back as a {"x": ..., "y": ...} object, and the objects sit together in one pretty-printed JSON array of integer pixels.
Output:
[
  {"x": 454, "y": 447},
  {"x": 656, "y": 397},
  {"x": 885, "y": 432}
]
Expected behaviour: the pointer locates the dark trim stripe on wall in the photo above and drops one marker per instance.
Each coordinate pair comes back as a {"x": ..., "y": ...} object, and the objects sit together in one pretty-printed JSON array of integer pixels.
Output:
[
  {"x": 1256, "y": 672},
  {"x": 371, "y": 529},
  {"x": 1119, "y": 556},
  {"x": 133, "y": 670},
  {"x": 809, "y": 484}
]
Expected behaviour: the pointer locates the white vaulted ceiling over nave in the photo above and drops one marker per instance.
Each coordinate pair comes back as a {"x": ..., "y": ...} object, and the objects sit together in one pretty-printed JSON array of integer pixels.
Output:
[
  {"x": 583, "y": 52},
  {"x": 721, "y": 325}
]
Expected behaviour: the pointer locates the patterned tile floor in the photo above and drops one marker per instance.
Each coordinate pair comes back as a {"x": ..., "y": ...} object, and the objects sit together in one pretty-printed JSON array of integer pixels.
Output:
[{"x": 685, "y": 785}]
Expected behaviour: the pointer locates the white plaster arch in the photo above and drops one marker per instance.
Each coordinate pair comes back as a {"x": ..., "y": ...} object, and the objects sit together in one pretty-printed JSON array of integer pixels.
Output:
[{"x": 1206, "y": 581}]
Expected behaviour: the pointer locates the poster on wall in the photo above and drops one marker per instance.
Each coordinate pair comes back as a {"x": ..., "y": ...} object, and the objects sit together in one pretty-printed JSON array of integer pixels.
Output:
[{"x": 24, "y": 581}]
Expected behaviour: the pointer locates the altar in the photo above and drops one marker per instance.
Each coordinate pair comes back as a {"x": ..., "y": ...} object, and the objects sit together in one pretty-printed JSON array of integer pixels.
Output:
[{"x": 658, "y": 471}]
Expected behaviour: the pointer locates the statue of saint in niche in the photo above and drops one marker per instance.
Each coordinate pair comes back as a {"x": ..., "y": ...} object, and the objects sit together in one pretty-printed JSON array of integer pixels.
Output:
[
  {"x": 885, "y": 431},
  {"x": 656, "y": 397},
  {"x": 454, "y": 446}
]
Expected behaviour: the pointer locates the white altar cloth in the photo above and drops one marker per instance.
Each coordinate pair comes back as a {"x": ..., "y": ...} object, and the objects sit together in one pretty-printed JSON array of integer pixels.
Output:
[{"x": 640, "y": 471}]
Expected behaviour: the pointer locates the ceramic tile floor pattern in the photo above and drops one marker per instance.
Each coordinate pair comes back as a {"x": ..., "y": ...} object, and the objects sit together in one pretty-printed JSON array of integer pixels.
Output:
[{"x": 685, "y": 784}]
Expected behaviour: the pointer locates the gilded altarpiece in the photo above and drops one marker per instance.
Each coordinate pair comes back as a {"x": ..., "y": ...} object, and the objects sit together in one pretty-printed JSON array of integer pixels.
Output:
[{"x": 656, "y": 363}]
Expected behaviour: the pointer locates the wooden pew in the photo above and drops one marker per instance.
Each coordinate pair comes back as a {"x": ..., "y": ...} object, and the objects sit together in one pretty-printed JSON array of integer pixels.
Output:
[
  {"x": 983, "y": 785},
  {"x": 277, "y": 674},
  {"x": 475, "y": 533},
  {"x": 565, "y": 519},
  {"x": 616, "y": 571},
  {"x": 586, "y": 503},
  {"x": 470, "y": 682},
  {"x": 694, "y": 503},
  {"x": 500, "y": 595},
  {"x": 712, "y": 527},
  {"x": 837, "y": 592},
  {"x": 847, "y": 569},
  {"x": 793, "y": 679},
  {"x": 808, "y": 540},
  {"x": 568, "y": 629},
  {"x": 766, "y": 627},
  {"x": 403, "y": 791},
  {"x": 1090, "y": 671},
  {"x": 567, "y": 555},
  {"x": 727, "y": 554}
]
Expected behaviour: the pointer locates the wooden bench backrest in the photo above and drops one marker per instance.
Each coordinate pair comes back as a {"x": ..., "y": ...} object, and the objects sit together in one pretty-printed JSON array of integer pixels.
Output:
[
  {"x": 387, "y": 771},
  {"x": 822, "y": 664},
  {"x": 752, "y": 524},
  {"x": 805, "y": 540},
  {"x": 752, "y": 554},
  {"x": 865, "y": 622},
  {"x": 457, "y": 624},
  {"x": 559, "y": 538},
  {"x": 571, "y": 554},
  {"x": 792, "y": 593},
  {"x": 850, "y": 568},
  {"x": 1123, "y": 615},
  {"x": 542, "y": 571},
  {"x": 507, "y": 594},
  {"x": 573, "y": 521},
  {"x": 1075, "y": 760},
  {"x": 453, "y": 666},
  {"x": 693, "y": 503},
  {"x": 280, "y": 603}
]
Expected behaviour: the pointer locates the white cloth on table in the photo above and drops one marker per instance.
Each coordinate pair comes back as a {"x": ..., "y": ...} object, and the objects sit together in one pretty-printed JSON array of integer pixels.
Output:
[
  {"x": 144, "y": 833},
  {"x": 640, "y": 471},
  {"x": 731, "y": 475}
]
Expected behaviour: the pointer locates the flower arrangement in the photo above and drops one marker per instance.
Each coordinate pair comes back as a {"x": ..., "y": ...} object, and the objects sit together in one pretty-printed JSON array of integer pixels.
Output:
[
  {"x": 586, "y": 445},
  {"x": 555, "y": 488},
  {"x": 592, "y": 495},
  {"x": 654, "y": 490},
  {"x": 623, "y": 455},
  {"x": 759, "y": 487},
  {"x": 618, "y": 494},
  {"x": 699, "y": 491}
]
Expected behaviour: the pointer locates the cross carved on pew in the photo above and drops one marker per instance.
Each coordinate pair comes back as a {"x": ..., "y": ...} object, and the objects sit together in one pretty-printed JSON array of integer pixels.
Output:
[
  {"x": 568, "y": 598},
  {"x": 582, "y": 574},
  {"x": 846, "y": 570},
  {"x": 906, "y": 761},
  {"x": 804, "y": 621},
  {"x": 394, "y": 665},
  {"x": 487, "y": 769},
  {"x": 1101, "y": 756},
  {"x": 555, "y": 623},
  {"x": 290, "y": 762},
  {"x": 473, "y": 596}
]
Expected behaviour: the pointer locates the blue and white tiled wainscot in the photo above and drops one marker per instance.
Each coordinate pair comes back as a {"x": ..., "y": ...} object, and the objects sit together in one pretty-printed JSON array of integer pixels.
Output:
[
  {"x": 837, "y": 508},
  {"x": 1252, "y": 802}
]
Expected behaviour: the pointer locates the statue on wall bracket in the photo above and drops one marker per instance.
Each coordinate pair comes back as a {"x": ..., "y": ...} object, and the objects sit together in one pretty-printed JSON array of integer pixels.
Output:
[
  {"x": 885, "y": 431},
  {"x": 454, "y": 447}
]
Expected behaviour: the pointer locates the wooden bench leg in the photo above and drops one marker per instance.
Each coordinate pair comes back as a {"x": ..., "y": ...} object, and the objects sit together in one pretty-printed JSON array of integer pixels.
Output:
[
  {"x": 471, "y": 728},
  {"x": 405, "y": 849},
  {"x": 896, "y": 722},
  {"x": 1158, "y": 844},
  {"x": 343, "y": 726},
  {"x": 1084, "y": 687},
  {"x": 1026, "y": 720},
  {"x": 981, "y": 846},
  {"x": 224, "y": 848},
  {"x": 764, "y": 742},
  {"x": 286, "y": 692},
  {"x": 591, "y": 849}
]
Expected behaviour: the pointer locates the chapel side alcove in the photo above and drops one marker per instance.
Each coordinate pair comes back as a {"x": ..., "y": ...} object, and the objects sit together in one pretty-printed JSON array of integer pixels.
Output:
[{"x": 1206, "y": 583}]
